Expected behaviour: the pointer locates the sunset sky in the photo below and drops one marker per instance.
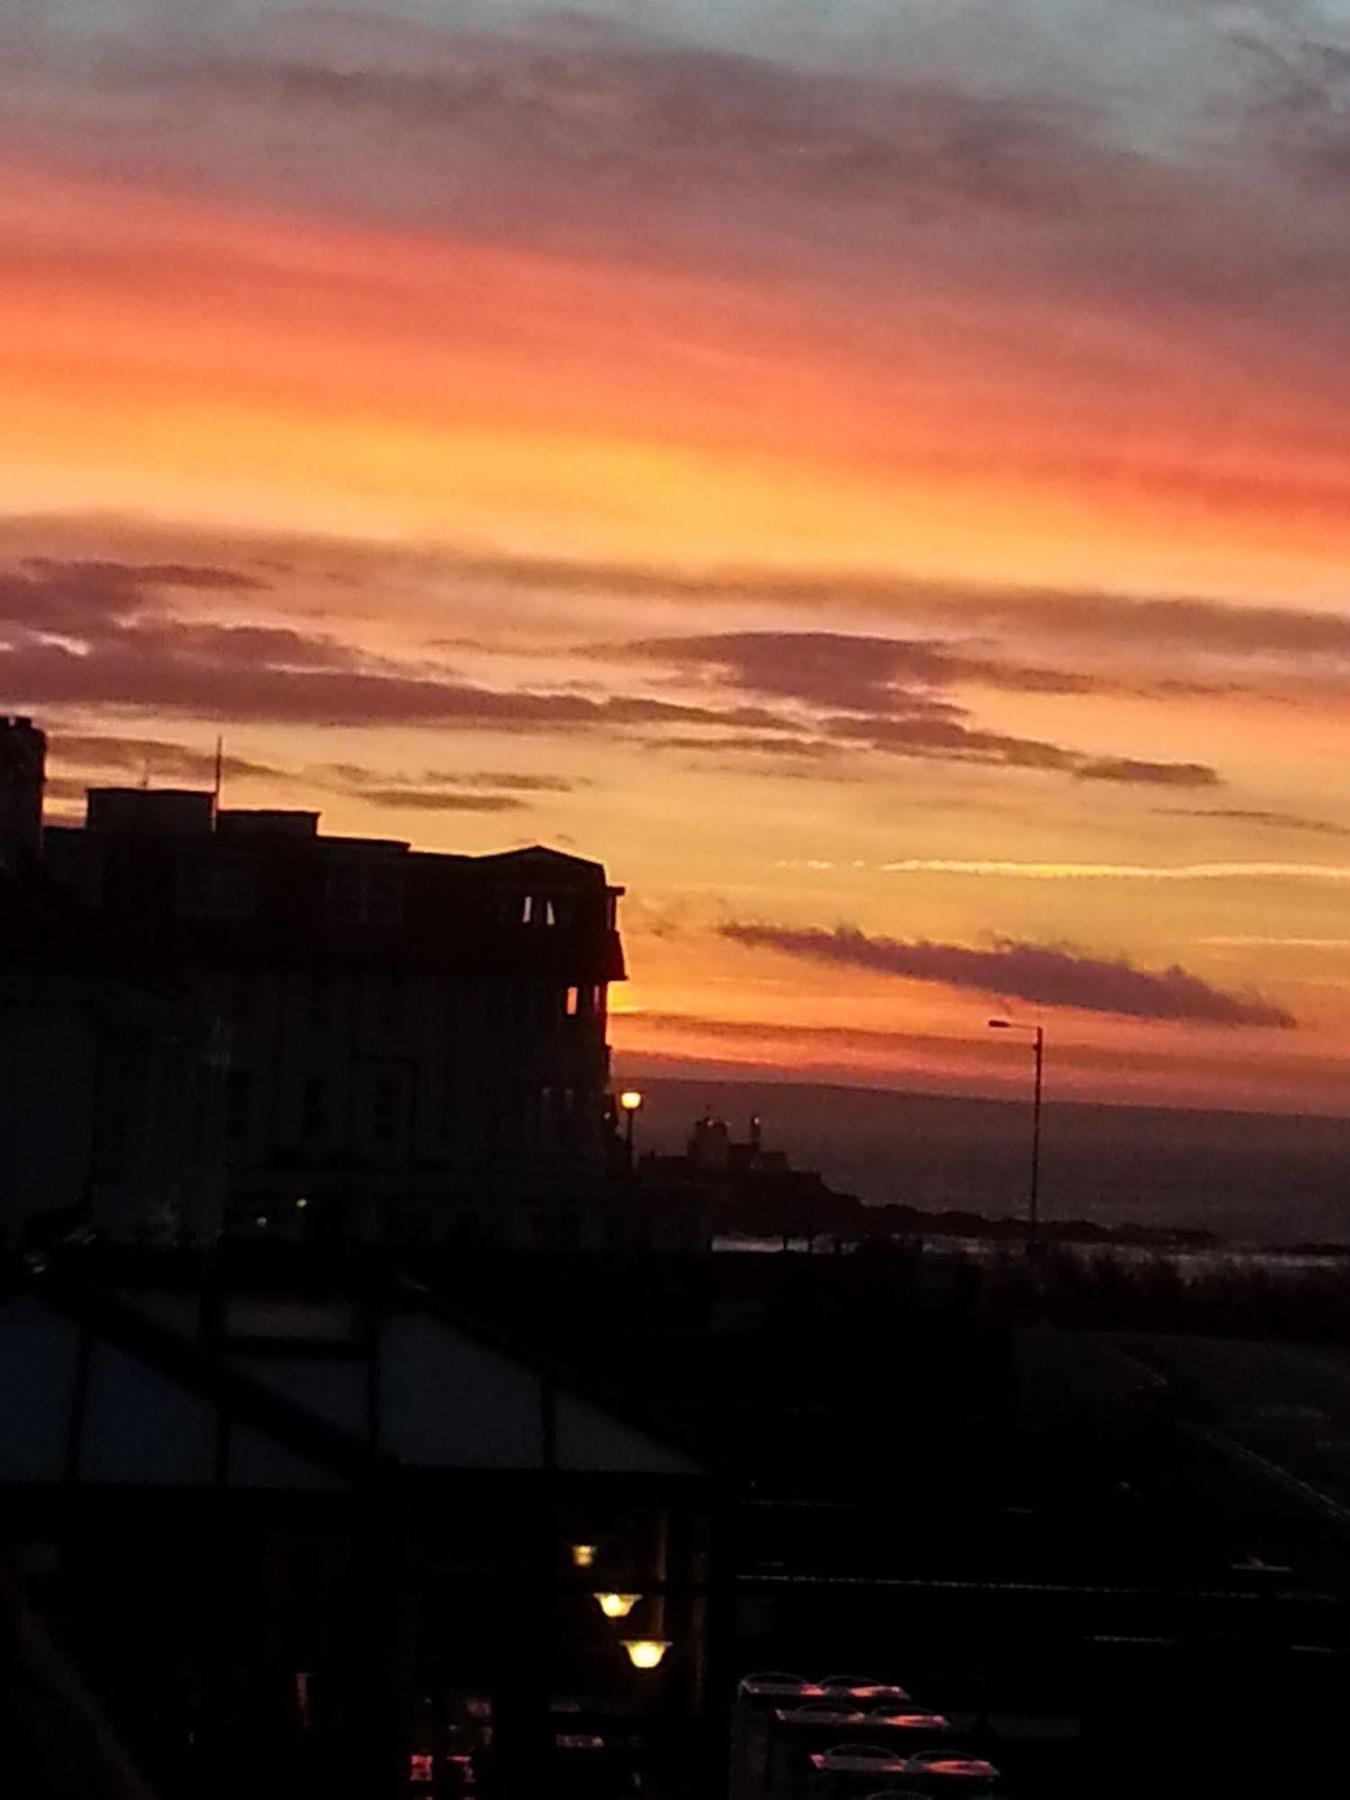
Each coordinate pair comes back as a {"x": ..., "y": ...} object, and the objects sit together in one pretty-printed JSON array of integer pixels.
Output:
[{"x": 876, "y": 473}]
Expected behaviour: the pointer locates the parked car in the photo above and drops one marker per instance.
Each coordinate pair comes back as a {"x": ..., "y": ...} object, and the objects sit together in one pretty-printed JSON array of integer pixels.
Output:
[
  {"x": 775, "y": 1686},
  {"x": 860, "y": 1759},
  {"x": 864, "y": 1687},
  {"x": 946, "y": 1771}
]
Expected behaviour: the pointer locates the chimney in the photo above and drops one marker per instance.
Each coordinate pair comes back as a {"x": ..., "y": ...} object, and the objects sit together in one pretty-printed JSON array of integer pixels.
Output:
[{"x": 23, "y": 768}]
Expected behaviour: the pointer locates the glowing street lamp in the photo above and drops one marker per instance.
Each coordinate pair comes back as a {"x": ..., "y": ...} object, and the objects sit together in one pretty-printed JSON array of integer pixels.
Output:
[
  {"x": 1033, "y": 1198},
  {"x": 617, "y": 1606},
  {"x": 583, "y": 1556},
  {"x": 630, "y": 1103},
  {"x": 646, "y": 1653}
]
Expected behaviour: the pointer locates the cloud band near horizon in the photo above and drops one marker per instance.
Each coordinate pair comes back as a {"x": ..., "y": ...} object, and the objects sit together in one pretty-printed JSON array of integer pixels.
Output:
[{"x": 1040, "y": 974}]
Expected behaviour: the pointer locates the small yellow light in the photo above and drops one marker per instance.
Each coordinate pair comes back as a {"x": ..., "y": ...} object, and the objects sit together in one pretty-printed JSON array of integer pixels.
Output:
[
  {"x": 646, "y": 1653},
  {"x": 301, "y": 1203},
  {"x": 583, "y": 1556},
  {"x": 617, "y": 1606},
  {"x": 630, "y": 1100}
]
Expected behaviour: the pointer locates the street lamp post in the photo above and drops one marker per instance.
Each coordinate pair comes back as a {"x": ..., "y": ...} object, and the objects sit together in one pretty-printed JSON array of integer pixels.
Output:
[
  {"x": 1034, "y": 1195},
  {"x": 630, "y": 1102}
]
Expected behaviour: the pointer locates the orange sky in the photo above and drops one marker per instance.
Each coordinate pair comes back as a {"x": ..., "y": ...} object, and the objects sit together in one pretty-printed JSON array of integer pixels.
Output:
[{"x": 891, "y": 503}]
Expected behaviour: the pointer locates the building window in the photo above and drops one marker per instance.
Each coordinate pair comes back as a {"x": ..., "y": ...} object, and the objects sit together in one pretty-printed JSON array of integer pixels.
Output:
[
  {"x": 392, "y": 998},
  {"x": 384, "y": 1107},
  {"x": 201, "y": 1113},
  {"x": 314, "y": 1106},
  {"x": 238, "y": 1092},
  {"x": 449, "y": 1093},
  {"x": 567, "y": 1230},
  {"x": 384, "y": 890},
  {"x": 572, "y": 1002},
  {"x": 319, "y": 1003},
  {"x": 538, "y": 909},
  {"x": 347, "y": 894},
  {"x": 214, "y": 887},
  {"x": 365, "y": 893}
]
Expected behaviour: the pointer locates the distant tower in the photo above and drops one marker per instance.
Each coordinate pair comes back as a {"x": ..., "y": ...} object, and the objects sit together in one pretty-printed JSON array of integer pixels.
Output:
[
  {"x": 23, "y": 769},
  {"x": 756, "y": 1133}
]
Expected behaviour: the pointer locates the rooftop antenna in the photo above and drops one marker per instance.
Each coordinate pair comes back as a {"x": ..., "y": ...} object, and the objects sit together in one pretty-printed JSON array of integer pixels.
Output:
[{"x": 220, "y": 774}]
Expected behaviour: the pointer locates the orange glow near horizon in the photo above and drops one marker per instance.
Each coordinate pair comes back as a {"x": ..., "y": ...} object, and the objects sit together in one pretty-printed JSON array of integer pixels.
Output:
[
  {"x": 158, "y": 360},
  {"x": 528, "y": 476}
]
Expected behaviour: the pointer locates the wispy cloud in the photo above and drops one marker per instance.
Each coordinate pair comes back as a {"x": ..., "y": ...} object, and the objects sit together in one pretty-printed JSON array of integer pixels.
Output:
[
  {"x": 1063, "y": 871},
  {"x": 1247, "y": 815},
  {"x": 122, "y": 635},
  {"x": 1247, "y": 941},
  {"x": 439, "y": 800},
  {"x": 892, "y": 695},
  {"x": 117, "y": 635},
  {"x": 860, "y": 672},
  {"x": 430, "y": 790},
  {"x": 1134, "y": 769},
  {"x": 1043, "y": 975}
]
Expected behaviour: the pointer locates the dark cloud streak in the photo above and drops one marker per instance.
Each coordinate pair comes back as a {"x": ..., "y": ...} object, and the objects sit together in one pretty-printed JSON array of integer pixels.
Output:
[
  {"x": 107, "y": 634},
  {"x": 1042, "y": 975},
  {"x": 887, "y": 686},
  {"x": 1243, "y": 815}
]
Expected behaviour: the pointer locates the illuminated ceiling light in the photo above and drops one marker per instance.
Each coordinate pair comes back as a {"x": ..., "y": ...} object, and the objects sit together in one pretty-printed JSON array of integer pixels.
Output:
[
  {"x": 617, "y": 1606},
  {"x": 646, "y": 1653},
  {"x": 583, "y": 1556}
]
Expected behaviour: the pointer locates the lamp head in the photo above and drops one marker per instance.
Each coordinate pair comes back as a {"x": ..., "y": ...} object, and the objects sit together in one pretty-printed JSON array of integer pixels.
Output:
[
  {"x": 617, "y": 1606},
  {"x": 646, "y": 1653},
  {"x": 630, "y": 1100}
]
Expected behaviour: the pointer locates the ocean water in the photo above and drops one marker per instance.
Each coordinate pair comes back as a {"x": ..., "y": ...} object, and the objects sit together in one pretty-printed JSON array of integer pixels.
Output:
[{"x": 1250, "y": 1177}]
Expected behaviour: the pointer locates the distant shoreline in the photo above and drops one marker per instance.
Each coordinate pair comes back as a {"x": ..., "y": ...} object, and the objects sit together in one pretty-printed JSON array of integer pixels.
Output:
[
  {"x": 1239, "y": 1179},
  {"x": 644, "y": 1070}
]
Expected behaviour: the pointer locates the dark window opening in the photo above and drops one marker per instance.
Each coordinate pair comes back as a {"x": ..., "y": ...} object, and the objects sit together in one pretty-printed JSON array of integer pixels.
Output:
[
  {"x": 238, "y": 1090},
  {"x": 384, "y": 1108},
  {"x": 314, "y": 1106}
]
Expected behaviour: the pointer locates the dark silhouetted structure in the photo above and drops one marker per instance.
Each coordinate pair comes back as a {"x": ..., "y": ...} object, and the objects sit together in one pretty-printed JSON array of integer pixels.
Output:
[
  {"x": 23, "y": 762},
  {"x": 411, "y": 1040},
  {"x": 316, "y": 1539},
  {"x": 748, "y": 1189},
  {"x": 111, "y": 1082},
  {"x": 396, "y": 1045}
]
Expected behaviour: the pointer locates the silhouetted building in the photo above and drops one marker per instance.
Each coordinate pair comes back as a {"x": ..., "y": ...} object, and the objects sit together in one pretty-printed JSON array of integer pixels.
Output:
[
  {"x": 23, "y": 759},
  {"x": 111, "y": 1084},
  {"x": 306, "y": 1540},
  {"x": 748, "y": 1189},
  {"x": 413, "y": 1044}
]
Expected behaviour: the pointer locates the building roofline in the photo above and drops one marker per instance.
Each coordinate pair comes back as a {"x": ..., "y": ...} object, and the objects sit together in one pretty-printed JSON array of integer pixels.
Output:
[{"x": 97, "y": 1307}]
